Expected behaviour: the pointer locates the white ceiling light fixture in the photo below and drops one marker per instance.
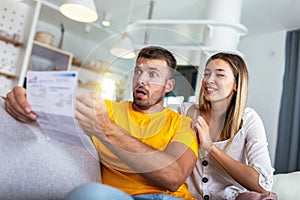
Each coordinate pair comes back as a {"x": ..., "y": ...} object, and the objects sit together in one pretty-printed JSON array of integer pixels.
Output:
[
  {"x": 124, "y": 49},
  {"x": 150, "y": 13},
  {"x": 78, "y": 10},
  {"x": 106, "y": 20}
]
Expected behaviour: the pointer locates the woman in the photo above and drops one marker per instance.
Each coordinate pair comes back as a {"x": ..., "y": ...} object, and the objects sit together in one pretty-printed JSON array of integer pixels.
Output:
[{"x": 233, "y": 156}]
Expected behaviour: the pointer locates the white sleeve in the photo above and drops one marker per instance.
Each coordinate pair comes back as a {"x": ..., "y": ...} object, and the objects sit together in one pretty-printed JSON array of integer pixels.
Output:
[
  {"x": 257, "y": 149},
  {"x": 184, "y": 107}
]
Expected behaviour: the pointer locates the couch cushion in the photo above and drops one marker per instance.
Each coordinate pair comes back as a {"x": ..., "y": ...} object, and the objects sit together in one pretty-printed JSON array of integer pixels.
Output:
[
  {"x": 286, "y": 186},
  {"x": 33, "y": 167}
]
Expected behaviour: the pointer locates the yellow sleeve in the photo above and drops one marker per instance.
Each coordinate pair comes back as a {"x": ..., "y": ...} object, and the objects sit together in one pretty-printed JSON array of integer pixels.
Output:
[{"x": 186, "y": 135}]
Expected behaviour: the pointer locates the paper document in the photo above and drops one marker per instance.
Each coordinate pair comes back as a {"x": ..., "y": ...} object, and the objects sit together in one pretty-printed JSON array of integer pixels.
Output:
[{"x": 51, "y": 95}]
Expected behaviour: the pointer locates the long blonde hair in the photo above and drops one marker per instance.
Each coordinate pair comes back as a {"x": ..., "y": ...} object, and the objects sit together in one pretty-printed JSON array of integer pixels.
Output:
[{"x": 235, "y": 110}]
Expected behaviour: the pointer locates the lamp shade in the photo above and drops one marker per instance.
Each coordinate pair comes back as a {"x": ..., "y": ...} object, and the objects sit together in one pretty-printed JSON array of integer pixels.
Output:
[
  {"x": 78, "y": 10},
  {"x": 124, "y": 49}
]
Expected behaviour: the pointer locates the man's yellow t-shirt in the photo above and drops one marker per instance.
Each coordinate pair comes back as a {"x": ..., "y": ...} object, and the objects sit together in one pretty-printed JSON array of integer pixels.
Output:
[{"x": 156, "y": 130}]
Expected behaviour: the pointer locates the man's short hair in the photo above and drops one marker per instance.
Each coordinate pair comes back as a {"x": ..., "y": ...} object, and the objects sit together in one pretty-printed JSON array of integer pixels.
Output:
[{"x": 156, "y": 52}]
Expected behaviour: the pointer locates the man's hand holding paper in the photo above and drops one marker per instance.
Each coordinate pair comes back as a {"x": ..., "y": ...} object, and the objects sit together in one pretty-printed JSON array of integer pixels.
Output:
[
  {"x": 91, "y": 114},
  {"x": 51, "y": 95}
]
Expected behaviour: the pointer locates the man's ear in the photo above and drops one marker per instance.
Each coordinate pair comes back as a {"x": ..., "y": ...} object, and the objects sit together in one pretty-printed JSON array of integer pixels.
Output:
[{"x": 170, "y": 85}]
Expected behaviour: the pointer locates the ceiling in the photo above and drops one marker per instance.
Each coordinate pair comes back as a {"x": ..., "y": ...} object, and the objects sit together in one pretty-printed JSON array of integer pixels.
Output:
[{"x": 257, "y": 16}]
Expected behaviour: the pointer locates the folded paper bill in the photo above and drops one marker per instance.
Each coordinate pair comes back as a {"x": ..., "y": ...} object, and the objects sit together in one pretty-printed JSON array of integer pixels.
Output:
[{"x": 51, "y": 95}]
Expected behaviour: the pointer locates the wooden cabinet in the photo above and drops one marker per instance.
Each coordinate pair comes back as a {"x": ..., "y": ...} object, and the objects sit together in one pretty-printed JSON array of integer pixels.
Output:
[{"x": 47, "y": 58}]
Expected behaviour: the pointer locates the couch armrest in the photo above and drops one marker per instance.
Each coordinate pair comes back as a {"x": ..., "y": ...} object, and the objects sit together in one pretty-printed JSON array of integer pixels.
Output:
[
  {"x": 34, "y": 167},
  {"x": 286, "y": 186}
]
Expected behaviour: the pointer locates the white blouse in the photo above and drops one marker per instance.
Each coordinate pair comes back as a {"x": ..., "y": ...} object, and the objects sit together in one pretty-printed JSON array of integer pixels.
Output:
[{"x": 209, "y": 181}]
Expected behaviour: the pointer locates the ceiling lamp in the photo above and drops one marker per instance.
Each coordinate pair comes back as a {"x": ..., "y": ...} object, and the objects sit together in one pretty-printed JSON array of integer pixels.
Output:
[
  {"x": 78, "y": 10},
  {"x": 124, "y": 49}
]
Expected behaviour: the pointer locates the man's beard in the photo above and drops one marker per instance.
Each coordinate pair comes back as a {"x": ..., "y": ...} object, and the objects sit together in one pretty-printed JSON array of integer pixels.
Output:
[{"x": 144, "y": 105}]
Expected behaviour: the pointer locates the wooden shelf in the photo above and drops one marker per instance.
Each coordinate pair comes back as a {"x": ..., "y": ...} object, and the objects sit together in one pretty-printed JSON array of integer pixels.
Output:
[
  {"x": 49, "y": 49},
  {"x": 12, "y": 41},
  {"x": 8, "y": 75},
  {"x": 87, "y": 86},
  {"x": 79, "y": 63}
]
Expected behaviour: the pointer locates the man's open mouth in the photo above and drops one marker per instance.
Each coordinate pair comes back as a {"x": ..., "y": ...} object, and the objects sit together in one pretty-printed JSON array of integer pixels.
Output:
[{"x": 140, "y": 92}]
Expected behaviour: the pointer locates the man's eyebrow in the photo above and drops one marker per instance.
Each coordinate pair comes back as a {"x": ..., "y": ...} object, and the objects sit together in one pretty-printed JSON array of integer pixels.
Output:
[
  {"x": 149, "y": 67},
  {"x": 153, "y": 68}
]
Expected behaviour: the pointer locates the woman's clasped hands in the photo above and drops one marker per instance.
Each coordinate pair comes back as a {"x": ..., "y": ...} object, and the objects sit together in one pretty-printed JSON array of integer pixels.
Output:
[{"x": 202, "y": 129}]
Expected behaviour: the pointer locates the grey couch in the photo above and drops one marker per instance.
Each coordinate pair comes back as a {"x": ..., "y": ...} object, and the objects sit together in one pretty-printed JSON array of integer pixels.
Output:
[{"x": 33, "y": 167}]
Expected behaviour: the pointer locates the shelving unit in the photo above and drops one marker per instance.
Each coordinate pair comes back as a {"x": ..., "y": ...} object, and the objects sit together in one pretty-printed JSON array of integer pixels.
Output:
[{"x": 16, "y": 17}]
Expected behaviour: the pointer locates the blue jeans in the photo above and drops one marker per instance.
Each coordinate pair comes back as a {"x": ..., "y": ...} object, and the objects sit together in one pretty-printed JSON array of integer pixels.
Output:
[
  {"x": 98, "y": 191},
  {"x": 154, "y": 197}
]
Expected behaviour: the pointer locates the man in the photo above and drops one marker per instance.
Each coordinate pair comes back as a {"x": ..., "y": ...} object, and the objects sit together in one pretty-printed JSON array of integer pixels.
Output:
[{"x": 145, "y": 149}]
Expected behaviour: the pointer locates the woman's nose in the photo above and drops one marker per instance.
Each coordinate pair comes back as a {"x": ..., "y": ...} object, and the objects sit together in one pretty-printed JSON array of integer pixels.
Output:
[{"x": 210, "y": 79}]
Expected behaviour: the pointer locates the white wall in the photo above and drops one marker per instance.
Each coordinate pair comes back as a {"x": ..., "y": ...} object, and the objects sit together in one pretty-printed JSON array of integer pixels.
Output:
[{"x": 264, "y": 55}]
